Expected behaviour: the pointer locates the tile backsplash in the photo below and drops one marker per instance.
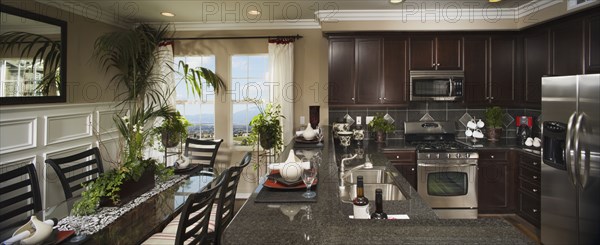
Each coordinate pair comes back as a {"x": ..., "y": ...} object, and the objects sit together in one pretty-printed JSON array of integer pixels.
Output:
[{"x": 434, "y": 111}]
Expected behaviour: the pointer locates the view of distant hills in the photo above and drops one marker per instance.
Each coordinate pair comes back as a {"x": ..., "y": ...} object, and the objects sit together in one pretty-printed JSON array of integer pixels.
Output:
[{"x": 239, "y": 118}]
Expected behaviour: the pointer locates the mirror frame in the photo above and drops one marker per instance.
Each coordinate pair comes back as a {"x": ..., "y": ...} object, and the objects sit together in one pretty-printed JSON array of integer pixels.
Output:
[{"x": 63, "y": 59}]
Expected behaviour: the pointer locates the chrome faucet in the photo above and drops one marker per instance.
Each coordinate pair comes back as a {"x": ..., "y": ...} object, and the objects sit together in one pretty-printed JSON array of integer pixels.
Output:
[{"x": 343, "y": 173}]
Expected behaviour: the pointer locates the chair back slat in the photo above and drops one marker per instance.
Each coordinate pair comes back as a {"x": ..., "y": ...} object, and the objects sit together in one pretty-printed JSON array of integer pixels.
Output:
[
  {"x": 193, "y": 224},
  {"x": 202, "y": 152},
  {"x": 226, "y": 201},
  {"x": 72, "y": 166},
  {"x": 20, "y": 196}
]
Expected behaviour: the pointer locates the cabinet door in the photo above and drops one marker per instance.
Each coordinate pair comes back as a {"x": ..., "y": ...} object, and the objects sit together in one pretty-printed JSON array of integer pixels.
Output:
[
  {"x": 567, "y": 48},
  {"x": 536, "y": 64},
  {"x": 495, "y": 185},
  {"x": 341, "y": 71},
  {"x": 592, "y": 45},
  {"x": 368, "y": 70},
  {"x": 502, "y": 69},
  {"x": 410, "y": 174},
  {"x": 395, "y": 71},
  {"x": 449, "y": 53},
  {"x": 422, "y": 51},
  {"x": 476, "y": 79}
]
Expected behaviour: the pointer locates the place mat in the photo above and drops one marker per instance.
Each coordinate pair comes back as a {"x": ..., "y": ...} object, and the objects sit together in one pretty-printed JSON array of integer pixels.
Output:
[{"x": 267, "y": 195}]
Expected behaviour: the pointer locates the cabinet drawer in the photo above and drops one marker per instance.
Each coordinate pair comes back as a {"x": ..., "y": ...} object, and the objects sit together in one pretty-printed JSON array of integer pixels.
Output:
[
  {"x": 530, "y": 162},
  {"x": 493, "y": 155},
  {"x": 527, "y": 174},
  {"x": 531, "y": 188},
  {"x": 401, "y": 156},
  {"x": 529, "y": 208}
]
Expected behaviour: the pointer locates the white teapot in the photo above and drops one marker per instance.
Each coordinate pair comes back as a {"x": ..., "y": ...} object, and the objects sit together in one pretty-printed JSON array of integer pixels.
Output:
[
  {"x": 291, "y": 170},
  {"x": 309, "y": 133}
]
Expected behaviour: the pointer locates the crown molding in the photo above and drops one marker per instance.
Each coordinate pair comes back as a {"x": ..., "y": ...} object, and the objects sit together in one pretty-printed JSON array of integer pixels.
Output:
[
  {"x": 450, "y": 13},
  {"x": 258, "y": 25},
  {"x": 89, "y": 11}
]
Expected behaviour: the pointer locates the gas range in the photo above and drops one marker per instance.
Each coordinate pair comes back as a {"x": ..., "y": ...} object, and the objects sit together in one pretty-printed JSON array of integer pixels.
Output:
[{"x": 436, "y": 140}]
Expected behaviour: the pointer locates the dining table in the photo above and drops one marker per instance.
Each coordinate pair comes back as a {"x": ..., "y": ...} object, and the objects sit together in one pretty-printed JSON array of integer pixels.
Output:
[{"x": 130, "y": 223}]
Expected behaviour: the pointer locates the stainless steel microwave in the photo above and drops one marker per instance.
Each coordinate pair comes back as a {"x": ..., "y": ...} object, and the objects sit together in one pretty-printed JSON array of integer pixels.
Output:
[{"x": 436, "y": 85}]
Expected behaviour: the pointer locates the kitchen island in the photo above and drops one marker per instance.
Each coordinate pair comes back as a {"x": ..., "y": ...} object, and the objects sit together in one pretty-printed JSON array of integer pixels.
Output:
[{"x": 326, "y": 221}]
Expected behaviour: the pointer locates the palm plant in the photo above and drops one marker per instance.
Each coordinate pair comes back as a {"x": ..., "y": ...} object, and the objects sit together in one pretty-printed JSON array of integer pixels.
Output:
[{"x": 45, "y": 50}]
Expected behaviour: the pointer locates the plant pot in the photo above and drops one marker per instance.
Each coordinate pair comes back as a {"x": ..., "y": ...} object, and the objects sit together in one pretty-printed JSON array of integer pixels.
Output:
[
  {"x": 266, "y": 141},
  {"x": 170, "y": 139},
  {"x": 132, "y": 189},
  {"x": 380, "y": 137},
  {"x": 494, "y": 134}
]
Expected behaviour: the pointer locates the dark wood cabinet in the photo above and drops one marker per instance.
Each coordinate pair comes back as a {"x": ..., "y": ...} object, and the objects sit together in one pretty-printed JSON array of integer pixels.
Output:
[
  {"x": 406, "y": 163},
  {"x": 567, "y": 48},
  {"x": 436, "y": 53},
  {"x": 529, "y": 191},
  {"x": 368, "y": 70},
  {"x": 476, "y": 69},
  {"x": 495, "y": 182},
  {"x": 536, "y": 64},
  {"x": 502, "y": 69},
  {"x": 592, "y": 44},
  {"x": 395, "y": 71},
  {"x": 341, "y": 71}
]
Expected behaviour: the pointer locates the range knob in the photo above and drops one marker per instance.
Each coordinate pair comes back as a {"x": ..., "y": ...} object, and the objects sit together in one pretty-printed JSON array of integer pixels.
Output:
[
  {"x": 467, "y": 155},
  {"x": 437, "y": 155},
  {"x": 448, "y": 156},
  {"x": 428, "y": 155},
  {"x": 458, "y": 155}
]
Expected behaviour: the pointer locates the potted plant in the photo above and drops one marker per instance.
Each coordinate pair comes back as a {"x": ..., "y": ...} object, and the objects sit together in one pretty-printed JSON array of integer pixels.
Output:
[
  {"x": 173, "y": 129},
  {"x": 134, "y": 56},
  {"x": 493, "y": 122},
  {"x": 266, "y": 127},
  {"x": 381, "y": 127}
]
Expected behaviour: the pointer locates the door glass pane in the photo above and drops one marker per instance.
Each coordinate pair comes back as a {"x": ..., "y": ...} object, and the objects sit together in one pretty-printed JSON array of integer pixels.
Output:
[{"x": 447, "y": 184}]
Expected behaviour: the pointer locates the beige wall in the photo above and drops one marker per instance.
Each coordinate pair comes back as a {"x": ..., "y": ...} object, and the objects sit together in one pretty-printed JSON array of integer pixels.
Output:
[
  {"x": 310, "y": 68},
  {"x": 86, "y": 81}
]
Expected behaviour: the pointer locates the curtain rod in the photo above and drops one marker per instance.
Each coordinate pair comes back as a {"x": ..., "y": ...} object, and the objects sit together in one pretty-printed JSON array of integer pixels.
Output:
[{"x": 242, "y": 37}]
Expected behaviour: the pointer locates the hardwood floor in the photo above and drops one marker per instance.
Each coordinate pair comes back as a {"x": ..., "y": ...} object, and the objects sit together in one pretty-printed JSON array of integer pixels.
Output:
[{"x": 522, "y": 225}]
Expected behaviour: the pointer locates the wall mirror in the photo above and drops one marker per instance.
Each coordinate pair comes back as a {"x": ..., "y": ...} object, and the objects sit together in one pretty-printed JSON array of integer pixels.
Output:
[{"x": 32, "y": 57}]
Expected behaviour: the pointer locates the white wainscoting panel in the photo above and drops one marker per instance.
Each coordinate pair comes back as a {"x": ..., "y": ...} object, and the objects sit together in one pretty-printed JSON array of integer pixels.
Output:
[
  {"x": 63, "y": 128},
  {"x": 17, "y": 135}
]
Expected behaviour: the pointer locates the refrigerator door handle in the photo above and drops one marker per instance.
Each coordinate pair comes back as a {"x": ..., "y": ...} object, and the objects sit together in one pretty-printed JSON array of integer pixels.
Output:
[
  {"x": 569, "y": 157},
  {"x": 582, "y": 167}
]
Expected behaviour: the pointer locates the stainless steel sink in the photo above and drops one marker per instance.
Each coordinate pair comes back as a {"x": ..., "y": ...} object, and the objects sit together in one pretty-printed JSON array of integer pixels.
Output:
[
  {"x": 390, "y": 192},
  {"x": 375, "y": 175}
]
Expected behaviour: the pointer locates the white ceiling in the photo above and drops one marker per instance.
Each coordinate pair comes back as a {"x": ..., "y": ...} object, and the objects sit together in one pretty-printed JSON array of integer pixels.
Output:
[{"x": 227, "y": 11}]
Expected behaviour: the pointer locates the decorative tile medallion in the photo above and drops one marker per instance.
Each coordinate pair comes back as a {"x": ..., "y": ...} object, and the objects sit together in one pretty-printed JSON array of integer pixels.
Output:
[
  {"x": 426, "y": 118},
  {"x": 507, "y": 119},
  {"x": 389, "y": 118},
  {"x": 465, "y": 119}
]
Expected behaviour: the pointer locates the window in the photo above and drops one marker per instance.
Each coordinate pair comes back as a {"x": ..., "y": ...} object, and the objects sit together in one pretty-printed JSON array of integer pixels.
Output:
[
  {"x": 248, "y": 85},
  {"x": 199, "y": 112},
  {"x": 20, "y": 77}
]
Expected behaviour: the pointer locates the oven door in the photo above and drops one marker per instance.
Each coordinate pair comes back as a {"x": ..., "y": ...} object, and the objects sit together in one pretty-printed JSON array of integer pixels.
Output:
[{"x": 448, "y": 184}]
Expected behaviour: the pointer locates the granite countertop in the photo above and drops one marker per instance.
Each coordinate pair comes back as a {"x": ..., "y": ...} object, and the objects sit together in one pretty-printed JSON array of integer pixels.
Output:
[{"x": 327, "y": 222}]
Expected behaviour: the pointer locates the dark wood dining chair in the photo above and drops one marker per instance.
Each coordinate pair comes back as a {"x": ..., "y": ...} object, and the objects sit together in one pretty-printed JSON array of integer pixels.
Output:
[
  {"x": 202, "y": 152},
  {"x": 19, "y": 196},
  {"x": 73, "y": 170},
  {"x": 194, "y": 220},
  {"x": 223, "y": 211}
]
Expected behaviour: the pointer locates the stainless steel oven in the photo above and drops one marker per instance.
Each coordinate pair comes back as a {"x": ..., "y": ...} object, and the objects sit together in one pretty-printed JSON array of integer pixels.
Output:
[
  {"x": 436, "y": 85},
  {"x": 446, "y": 169},
  {"x": 448, "y": 183}
]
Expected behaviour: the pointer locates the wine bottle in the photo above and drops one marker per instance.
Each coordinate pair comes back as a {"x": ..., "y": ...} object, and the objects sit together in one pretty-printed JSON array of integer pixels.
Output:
[
  {"x": 360, "y": 203},
  {"x": 379, "y": 214}
]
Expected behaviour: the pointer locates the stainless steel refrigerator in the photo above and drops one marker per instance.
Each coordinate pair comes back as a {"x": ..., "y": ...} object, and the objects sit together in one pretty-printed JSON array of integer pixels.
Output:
[{"x": 570, "y": 202}]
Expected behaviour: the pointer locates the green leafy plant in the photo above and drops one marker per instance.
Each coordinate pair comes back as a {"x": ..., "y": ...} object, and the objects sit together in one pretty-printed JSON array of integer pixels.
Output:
[
  {"x": 379, "y": 124},
  {"x": 493, "y": 117},
  {"x": 266, "y": 127},
  {"x": 44, "y": 49},
  {"x": 173, "y": 128}
]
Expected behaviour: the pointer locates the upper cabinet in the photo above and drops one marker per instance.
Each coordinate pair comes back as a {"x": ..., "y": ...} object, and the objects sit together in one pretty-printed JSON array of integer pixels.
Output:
[
  {"x": 368, "y": 70},
  {"x": 341, "y": 71},
  {"x": 502, "y": 69},
  {"x": 567, "y": 47},
  {"x": 436, "y": 53},
  {"x": 592, "y": 44},
  {"x": 476, "y": 69},
  {"x": 536, "y": 59}
]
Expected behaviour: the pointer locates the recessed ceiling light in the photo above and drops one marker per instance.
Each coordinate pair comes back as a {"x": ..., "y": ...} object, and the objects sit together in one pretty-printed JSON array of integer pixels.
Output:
[
  {"x": 254, "y": 12},
  {"x": 168, "y": 14},
  {"x": 396, "y": 1},
  {"x": 494, "y": 1}
]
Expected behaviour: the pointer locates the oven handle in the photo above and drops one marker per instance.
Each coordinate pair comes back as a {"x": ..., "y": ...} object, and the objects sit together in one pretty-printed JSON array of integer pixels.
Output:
[{"x": 446, "y": 165}]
